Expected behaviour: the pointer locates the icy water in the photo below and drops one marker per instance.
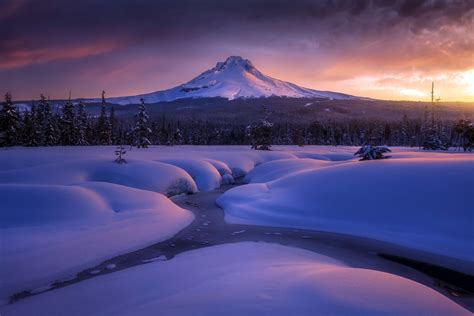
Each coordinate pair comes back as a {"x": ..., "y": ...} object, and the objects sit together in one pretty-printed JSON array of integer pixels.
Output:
[{"x": 209, "y": 229}]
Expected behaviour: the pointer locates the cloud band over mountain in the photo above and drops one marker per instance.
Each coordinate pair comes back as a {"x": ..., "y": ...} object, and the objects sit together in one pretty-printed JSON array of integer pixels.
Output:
[{"x": 129, "y": 47}]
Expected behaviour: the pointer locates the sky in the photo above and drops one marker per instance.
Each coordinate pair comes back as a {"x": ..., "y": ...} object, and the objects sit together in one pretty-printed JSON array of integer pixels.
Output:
[{"x": 386, "y": 49}]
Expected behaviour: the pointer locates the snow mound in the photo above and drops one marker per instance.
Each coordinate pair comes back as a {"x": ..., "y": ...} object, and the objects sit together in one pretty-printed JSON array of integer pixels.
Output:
[
  {"x": 51, "y": 231},
  {"x": 204, "y": 173},
  {"x": 227, "y": 179},
  {"x": 244, "y": 279},
  {"x": 220, "y": 166},
  {"x": 420, "y": 203},
  {"x": 243, "y": 160},
  {"x": 146, "y": 175},
  {"x": 24, "y": 205},
  {"x": 275, "y": 169}
]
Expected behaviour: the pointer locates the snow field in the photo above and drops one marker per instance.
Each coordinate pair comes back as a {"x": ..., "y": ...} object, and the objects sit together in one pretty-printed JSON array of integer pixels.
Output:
[
  {"x": 66, "y": 208},
  {"x": 242, "y": 279},
  {"x": 49, "y": 232},
  {"x": 423, "y": 200}
]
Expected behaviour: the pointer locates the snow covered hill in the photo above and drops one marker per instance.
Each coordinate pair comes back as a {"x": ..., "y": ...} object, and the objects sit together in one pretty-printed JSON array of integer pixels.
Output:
[{"x": 234, "y": 78}]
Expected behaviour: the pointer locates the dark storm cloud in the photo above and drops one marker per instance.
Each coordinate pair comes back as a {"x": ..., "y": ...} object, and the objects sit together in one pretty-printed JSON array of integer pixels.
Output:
[
  {"x": 42, "y": 24},
  {"x": 36, "y": 32}
]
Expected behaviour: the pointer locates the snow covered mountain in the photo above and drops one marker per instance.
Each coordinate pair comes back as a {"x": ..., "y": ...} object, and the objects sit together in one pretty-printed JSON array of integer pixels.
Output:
[{"x": 234, "y": 78}]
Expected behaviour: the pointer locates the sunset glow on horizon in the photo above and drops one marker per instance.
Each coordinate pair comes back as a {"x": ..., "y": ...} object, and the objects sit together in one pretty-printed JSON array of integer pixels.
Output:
[{"x": 389, "y": 50}]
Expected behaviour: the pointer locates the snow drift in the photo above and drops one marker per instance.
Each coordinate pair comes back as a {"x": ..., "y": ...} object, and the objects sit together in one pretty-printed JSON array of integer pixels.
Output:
[
  {"x": 206, "y": 176},
  {"x": 278, "y": 168},
  {"x": 52, "y": 231},
  {"x": 244, "y": 279},
  {"x": 64, "y": 209},
  {"x": 421, "y": 203}
]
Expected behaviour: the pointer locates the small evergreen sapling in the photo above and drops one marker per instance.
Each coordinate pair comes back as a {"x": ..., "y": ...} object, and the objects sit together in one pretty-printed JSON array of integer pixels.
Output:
[
  {"x": 119, "y": 152},
  {"x": 369, "y": 152}
]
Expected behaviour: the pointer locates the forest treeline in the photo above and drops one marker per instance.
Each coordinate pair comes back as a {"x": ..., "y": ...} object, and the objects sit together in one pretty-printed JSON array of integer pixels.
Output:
[{"x": 72, "y": 125}]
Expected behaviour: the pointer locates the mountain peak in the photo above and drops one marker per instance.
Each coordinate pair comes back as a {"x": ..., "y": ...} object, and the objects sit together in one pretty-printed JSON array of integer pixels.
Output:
[
  {"x": 233, "y": 78},
  {"x": 235, "y": 62}
]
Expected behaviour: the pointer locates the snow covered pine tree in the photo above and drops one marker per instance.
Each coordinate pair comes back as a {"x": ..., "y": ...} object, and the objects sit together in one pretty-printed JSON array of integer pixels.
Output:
[
  {"x": 103, "y": 124},
  {"x": 435, "y": 138},
  {"x": 81, "y": 125},
  {"x": 48, "y": 127},
  {"x": 68, "y": 124},
  {"x": 465, "y": 131},
  {"x": 8, "y": 122},
  {"x": 261, "y": 133},
  {"x": 142, "y": 131},
  {"x": 369, "y": 152}
]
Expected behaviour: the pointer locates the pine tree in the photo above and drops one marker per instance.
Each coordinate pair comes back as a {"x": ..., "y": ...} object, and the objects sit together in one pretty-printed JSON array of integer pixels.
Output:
[
  {"x": 141, "y": 131},
  {"x": 261, "y": 133},
  {"x": 177, "y": 137},
  {"x": 46, "y": 122},
  {"x": 369, "y": 152},
  {"x": 103, "y": 124},
  {"x": 9, "y": 120},
  {"x": 403, "y": 138},
  {"x": 465, "y": 131},
  {"x": 115, "y": 136},
  {"x": 434, "y": 138},
  {"x": 31, "y": 132},
  {"x": 297, "y": 137},
  {"x": 68, "y": 124},
  {"x": 81, "y": 124}
]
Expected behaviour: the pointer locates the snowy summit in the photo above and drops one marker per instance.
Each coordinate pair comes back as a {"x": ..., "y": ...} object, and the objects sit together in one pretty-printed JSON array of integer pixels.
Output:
[{"x": 234, "y": 78}]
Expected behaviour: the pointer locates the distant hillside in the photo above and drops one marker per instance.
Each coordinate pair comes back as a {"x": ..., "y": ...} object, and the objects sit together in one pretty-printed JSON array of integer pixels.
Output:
[{"x": 298, "y": 110}]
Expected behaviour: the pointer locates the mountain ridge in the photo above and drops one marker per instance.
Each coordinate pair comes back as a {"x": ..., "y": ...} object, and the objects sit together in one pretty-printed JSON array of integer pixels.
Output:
[{"x": 233, "y": 78}]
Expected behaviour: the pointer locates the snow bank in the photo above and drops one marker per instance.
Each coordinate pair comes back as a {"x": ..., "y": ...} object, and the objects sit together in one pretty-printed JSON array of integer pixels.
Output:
[
  {"x": 421, "y": 203},
  {"x": 25, "y": 205},
  {"x": 244, "y": 160},
  {"x": 243, "y": 279},
  {"x": 65, "y": 208},
  {"x": 50, "y": 231},
  {"x": 220, "y": 166},
  {"x": 206, "y": 176},
  {"x": 272, "y": 170},
  {"x": 146, "y": 175}
]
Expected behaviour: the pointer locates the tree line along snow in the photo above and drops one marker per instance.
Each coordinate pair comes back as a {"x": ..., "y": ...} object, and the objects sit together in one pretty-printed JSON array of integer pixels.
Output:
[{"x": 73, "y": 125}]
